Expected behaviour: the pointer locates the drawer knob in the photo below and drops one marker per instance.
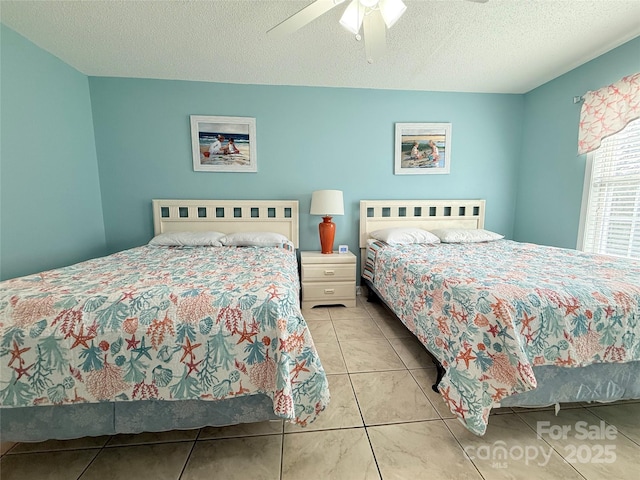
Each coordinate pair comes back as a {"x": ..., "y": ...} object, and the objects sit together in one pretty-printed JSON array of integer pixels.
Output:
[
  {"x": 329, "y": 291},
  {"x": 329, "y": 272}
]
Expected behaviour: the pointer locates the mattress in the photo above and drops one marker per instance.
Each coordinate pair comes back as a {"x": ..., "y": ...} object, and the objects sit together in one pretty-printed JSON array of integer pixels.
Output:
[
  {"x": 493, "y": 312},
  {"x": 162, "y": 324}
]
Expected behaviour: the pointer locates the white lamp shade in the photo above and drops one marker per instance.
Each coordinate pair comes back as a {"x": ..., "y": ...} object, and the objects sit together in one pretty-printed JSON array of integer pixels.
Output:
[
  {"x": 327, "y": 203},
  {"x": 391, "y": 11},
  {"x": 353, "y": 16}
]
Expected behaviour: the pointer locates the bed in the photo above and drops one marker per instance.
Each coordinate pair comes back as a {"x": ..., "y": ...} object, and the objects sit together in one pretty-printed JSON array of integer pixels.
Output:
[
  {"x": 507, "y": 323},
  {"x": 180, "y": 334}
]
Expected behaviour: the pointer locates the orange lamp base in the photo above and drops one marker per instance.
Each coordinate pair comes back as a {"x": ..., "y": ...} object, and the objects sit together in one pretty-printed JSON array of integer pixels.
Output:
[{"x": 327, "y": 231}]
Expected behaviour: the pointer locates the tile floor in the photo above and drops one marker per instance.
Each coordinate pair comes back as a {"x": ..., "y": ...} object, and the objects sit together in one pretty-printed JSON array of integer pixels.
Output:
[{"x": 384, "y": 421}]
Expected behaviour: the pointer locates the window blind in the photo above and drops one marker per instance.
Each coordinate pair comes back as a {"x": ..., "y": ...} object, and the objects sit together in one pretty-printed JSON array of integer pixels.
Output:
[{"x": 612, "y": 221}]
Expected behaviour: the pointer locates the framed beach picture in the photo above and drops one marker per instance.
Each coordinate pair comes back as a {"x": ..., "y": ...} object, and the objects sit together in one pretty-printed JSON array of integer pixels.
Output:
[
  {"x": 422, "y": 148},
  {"x": 224, "y": 144}
]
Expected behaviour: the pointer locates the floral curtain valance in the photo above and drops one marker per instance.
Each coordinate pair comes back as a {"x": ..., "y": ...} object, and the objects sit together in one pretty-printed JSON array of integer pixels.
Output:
[{"x": 607, "y": 111}]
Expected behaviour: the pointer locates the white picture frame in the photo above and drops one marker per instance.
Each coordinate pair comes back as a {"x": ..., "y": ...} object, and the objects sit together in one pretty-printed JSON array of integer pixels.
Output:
[
  {"x": 236, "y": 151},
  {"x": 422, "y": 148}
]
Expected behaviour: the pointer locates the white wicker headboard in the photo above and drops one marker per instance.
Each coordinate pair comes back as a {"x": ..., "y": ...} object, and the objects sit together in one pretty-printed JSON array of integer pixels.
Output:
[
  {"x": 227, "y": 216},
  {"x": 426, "y": 214}
]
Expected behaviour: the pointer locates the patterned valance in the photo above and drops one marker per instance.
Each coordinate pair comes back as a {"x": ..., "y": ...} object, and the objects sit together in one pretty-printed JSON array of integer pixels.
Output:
[{"x": 607, "y": 111}]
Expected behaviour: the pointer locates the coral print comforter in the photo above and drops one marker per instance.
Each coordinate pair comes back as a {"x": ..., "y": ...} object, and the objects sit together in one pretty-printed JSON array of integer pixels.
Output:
[
  {"x": 164, "y": 323},
  {"x": 491, "y": 311}
]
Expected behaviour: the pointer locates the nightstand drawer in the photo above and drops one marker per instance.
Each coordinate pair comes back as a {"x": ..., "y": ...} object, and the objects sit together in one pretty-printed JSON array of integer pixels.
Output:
[
  {"x": 328, "y": 279},
  {"x": 328, "y": 291},
  {"x": 331, "y": 272}
]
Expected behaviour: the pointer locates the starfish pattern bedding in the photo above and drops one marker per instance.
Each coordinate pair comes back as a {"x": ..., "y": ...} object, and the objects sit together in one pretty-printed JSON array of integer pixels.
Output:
[
  {"x": 491, "y": 311},
  {"x": 165, "y": 323}
]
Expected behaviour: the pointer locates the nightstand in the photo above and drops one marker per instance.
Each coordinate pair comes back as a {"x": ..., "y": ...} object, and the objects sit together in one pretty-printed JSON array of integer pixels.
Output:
[{"x": 328, "y": 279}]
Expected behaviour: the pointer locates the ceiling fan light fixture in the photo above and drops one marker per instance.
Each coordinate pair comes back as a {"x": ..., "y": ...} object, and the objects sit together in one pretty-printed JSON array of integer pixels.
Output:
[
  {"x": 353, "y": 16},
  {"x": 391, "y": 11}
]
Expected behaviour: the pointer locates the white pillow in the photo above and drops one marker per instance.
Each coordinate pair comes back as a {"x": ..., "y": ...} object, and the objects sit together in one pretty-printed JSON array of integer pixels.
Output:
[
  {"x": 463, "y": 235},
  {"x": 402, "y": 236},
  {"x": 254, "y": 239},
  {"x": 192, "y": 239}
]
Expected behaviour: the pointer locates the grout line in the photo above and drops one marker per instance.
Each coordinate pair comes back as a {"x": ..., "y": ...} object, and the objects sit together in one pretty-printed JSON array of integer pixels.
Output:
[
  {"x": 186, "y": 462},
  {"x": 157, "y": 442},
  {"x": 282, "y": 452},
  {"x": 610, "y": 423},
  {"x": 56, "y": 450},
  {"x": 322, "y": 430},
  {"x": 355, "y": 395},
  {"x": 464, "y": 453},
  {"x": 364, "y": 425},
  {"x": 550, "y": 446},
  {"x": 404, "y": 422},
  {"x": 15, "y": 444},
  {"x": 379, "y": 371},
  {"x": 340, "y": 349},
  {"x": 94, "y": 457},
  {"x": 282, "y": 433},
  {"x": 373, "y": 452},
  {"x": 424, "y": 392}
]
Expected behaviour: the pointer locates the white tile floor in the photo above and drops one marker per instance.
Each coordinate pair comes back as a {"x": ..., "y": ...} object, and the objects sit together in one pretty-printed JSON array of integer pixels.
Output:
[{"x": 384, "y": 421}]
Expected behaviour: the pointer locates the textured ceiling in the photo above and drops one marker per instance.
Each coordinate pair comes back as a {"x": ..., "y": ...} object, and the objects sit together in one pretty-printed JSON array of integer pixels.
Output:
[{"x": 503, "y": 46}]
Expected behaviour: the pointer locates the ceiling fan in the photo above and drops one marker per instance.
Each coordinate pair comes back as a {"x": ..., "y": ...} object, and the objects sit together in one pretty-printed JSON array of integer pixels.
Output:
[{"x": 371, "y": 16}]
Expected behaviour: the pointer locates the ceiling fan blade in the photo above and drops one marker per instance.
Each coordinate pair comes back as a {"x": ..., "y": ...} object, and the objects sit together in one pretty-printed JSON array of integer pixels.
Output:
[
  {"x": 478, "y": 1},
  {"x": 375, "y": 38},
  {"x": 304, "y": 16}
]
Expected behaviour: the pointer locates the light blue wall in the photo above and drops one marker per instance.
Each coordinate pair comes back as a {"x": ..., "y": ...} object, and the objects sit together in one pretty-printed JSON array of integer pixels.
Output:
[
  {"x": 307, "y": 139},
  {"x": 50, "y": 208},
  {"x": 55, "y": 212},
  {"x": 551, "y": 173}
]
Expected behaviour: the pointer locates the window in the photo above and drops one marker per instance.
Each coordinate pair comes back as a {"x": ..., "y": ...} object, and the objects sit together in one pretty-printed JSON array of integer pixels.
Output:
[{"x": 610, "y": 217}]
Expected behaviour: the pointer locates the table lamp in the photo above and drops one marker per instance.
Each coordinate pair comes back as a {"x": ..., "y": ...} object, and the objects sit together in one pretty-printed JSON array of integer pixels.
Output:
[{"x": 327, "y": 203}]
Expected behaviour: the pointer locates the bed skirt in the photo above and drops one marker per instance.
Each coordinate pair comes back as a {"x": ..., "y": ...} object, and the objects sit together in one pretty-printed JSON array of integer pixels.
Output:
[
  {"x": 62, "y": 422},
  {"x": 599, "y": 382}
]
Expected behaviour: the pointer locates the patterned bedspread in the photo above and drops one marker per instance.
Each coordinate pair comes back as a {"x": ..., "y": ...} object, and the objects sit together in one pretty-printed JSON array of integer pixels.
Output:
[
  {"x": 162, "y": 323},
  {"x": 491, "y": 311}
]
